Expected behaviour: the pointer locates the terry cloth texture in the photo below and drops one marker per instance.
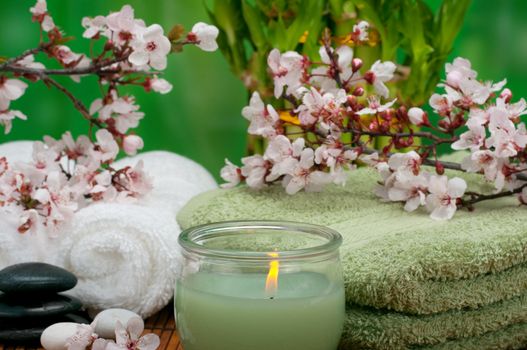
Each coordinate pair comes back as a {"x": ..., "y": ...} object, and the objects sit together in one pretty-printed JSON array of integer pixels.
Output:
[{"x": 419, "y": 273}]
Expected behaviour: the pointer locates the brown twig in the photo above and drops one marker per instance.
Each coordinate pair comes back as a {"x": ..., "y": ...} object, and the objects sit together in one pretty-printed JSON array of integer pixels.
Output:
[
  {"x": 76, "y": 102},
  {"x": 476, "y": 197}
]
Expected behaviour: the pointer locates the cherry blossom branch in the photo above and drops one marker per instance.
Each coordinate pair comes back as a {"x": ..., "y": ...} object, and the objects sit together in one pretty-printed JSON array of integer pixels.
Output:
[
  {"x": 476, "y": 197},
  {"x": 67, "y": 174},
  {"x": 443, "y": 163},
  {"x": 330, "y": 127},
  {"x": 24, "y": 54}
]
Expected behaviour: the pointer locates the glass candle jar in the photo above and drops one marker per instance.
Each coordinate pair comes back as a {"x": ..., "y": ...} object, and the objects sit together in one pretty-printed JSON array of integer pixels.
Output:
[{"x": 260, "y": 285}]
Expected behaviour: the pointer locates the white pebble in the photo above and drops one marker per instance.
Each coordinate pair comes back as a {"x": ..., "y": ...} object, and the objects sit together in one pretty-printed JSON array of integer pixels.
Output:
[
  {"x": 106, "y": 320},
  {"x": 55, "y": 336}
]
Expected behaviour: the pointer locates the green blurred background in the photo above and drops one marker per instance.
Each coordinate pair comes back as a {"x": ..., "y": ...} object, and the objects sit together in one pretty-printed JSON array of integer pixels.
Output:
[{"x": 201, "y": 117}]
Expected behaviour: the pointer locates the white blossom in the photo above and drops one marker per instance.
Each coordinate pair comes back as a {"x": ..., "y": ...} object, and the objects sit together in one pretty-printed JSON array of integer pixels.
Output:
[{"x": 205, "y": 36}]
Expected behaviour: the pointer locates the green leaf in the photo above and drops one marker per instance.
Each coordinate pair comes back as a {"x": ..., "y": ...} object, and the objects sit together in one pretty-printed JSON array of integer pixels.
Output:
[
  {"x": 228, "y": 18},
  {"x": 255, "y": 25},
  {"x": 448, "y": 23}
]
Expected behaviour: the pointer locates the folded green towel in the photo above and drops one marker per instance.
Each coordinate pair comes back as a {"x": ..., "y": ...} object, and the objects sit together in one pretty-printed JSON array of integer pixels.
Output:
[
  {"x": 394, "y": 259},
  {"x": 423, "y": 274},
  {"x": 367, "y": 328}
]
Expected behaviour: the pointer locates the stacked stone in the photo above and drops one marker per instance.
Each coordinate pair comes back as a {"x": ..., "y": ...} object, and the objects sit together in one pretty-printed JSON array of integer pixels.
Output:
[{"x": 31, "y": 300}]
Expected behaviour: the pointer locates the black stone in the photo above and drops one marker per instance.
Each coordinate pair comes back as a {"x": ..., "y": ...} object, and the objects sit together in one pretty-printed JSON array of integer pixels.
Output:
[
  {"x": 30, "y": 330},
  {"x": 35, "y": 278},
  {"x": 16, "y": 307}
]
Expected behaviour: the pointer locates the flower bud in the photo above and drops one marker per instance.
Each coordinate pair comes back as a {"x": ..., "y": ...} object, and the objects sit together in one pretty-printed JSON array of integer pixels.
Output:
[
  {"x": 356, "y": 64},
  {"x": 417, "y": 116},
  {"x": 359, "y": 91},
  {"x": 369, "y": 76},
  {"x": 440, "y": 168},
  {"x": 132, "y": 143},
  {"x": 506, "y": 95}
]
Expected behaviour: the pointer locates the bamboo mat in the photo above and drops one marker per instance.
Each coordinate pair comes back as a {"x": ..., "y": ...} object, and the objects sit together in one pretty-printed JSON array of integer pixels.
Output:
[{"x": 162, "y": 324}]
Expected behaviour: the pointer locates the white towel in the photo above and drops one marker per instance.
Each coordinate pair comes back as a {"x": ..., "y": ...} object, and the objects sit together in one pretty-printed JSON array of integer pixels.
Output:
[
  {"x": 176, "y": 179},
  {"x": 17, "y": 151},
  {"x": 124, "y": 255}
]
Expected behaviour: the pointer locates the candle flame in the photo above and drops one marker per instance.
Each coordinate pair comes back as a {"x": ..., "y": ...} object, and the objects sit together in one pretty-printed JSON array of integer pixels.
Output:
[{"x": 271, "y": 283}]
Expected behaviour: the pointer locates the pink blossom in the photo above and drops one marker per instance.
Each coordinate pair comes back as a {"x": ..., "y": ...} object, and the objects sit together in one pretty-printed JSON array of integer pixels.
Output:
[
  {"x": 405, "y": 162},
  {"x": 380, "y": 73},
  {"x": 283, "y": 154},
  {"x": 123, "y": 109},
  {"x": 129, "y": 338},
  {"x": 108, "y": 148},
  {"x": 375, "y": 106},
  {"x": 40, "y": 14},
  {"x": 409, "y": 188},
  {"x": 230, "y": 173},
  {"x": 10, "y": 90},
  {"x": 287, "y": 70},
  {"x": 67, "y": 57},
  {"x": 302, "y": 176},
  {"x": 262, "y": 119},
  {"x": 83, "y": 338},
  {"x": 29, "y": 62},
  {"x": 6, "y": 118},
  {"x": 254, "y": 170},
  {"x": 132, "y": 143},
  {"x": 442, "y": 200},
  {"x": 133, "y": 182},
  {"x": 95, "y": 27},
  {"x": 325, "y": 108},
  {"x": 151, "y": 48},
  {"x": 205, "y": 36},
  {"x": 322, "y": 76},
  {"x": 483, "y": 160},
  {"x": 507, "y": 143},
  {"x": 474, "y": 138},
  {"x": 160, "y": 85},
  {"x": 459, "y": 71},
  {"x": 334, "y": 155},
  {"x": 515, "y": 109},
  {"x": 442, "y": 104},
  {"x": 123, "y": 26}
]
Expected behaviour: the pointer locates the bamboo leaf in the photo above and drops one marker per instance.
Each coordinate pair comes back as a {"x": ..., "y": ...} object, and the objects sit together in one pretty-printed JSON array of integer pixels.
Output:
[{"x": 255, "y": 25}]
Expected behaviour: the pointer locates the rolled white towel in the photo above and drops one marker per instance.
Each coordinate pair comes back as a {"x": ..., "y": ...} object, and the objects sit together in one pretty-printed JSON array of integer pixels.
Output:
[
  {"x": 176, "y": 179},
  {"x": 17, "y": 151},
  {"x": 124, "y": 255}
]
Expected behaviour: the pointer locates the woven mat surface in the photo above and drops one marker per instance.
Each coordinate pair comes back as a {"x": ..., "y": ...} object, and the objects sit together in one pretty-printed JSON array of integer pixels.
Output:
[{"x": 162, "y": 324}]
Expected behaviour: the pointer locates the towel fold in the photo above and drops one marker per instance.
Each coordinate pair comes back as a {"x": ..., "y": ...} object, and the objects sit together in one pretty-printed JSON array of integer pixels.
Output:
[
  {"x": 124, "y": 256},
  {"x": 367, "y": 327},
  {"x": 402, "y": 263}
]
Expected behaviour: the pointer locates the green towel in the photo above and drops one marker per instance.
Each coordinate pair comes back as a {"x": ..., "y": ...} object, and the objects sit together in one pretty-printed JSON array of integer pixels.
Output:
[
  {"x": 397, "y": 261},
  {"x": 367, "y": 327}
]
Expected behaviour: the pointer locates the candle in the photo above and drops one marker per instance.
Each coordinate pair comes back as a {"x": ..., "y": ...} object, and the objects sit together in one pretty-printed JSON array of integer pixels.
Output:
[
  {"x": 260, "y": 286},
  {"x": 236, "y": 312}
]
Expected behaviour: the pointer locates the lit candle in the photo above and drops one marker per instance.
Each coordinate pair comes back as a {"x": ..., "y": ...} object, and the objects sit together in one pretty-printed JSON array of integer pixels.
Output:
[{"x": 290, "y": 306}]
